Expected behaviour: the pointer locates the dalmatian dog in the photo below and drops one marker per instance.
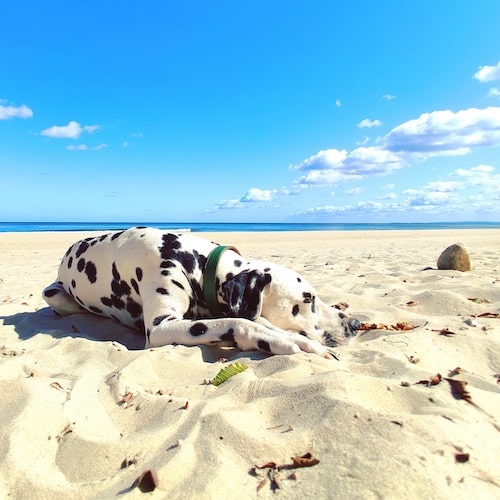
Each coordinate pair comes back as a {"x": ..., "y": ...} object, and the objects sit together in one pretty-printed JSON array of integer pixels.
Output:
[{"x": 157, "y": 282}]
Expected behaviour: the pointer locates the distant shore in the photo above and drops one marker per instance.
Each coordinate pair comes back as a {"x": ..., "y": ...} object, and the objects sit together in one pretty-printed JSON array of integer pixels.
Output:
[{"x": 242, "y": 227}]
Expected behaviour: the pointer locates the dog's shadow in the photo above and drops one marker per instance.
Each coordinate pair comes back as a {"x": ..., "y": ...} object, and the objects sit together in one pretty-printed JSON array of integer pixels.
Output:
[
  {"x": 88, "y": 326},
  {"x": 95, "y": 328}
]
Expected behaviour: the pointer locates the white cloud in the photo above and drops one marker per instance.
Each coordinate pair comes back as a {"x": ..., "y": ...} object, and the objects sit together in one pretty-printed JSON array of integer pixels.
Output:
[
  {"x": 494, "y": 92},
  {"x": 253, "y": 195},
  {"x": 72, "y": 130},
  {"x": 363, "y": 141},
  {"x": 389, "y": 97},
  {"x": 488, "y": 73},
  {"x": 84, "y": 147},
  {"x": 354, "y": 191},
  {"x": 7, "y": 112},
  {"x": 446, "y": 132},
  {"x": 367, "y": 123},
  {"x": 332, "y": 166},
  {"x": 256, "y": 194}
]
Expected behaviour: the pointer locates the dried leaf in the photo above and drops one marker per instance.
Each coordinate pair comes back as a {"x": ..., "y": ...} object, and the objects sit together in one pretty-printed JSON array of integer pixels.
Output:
[
  {"x": 454, "y": 372},
  {"x": 403, "y": 325},
  {"x": 57, "y": 385},
  {"x": 268, "y": 465},
  {"x": 489, "y": 315},
  {"x": 479, "y": 301},
  {"x": 434, "y": 380},
  {"x": 341, "y": 306},
  {"x": 306, "y": 460},
  {"x": 373, "y": 326},
  {"x": 147, "y": 481},
  {"x": 126, "y": 397},
  {"x": 462, "y": 457},
  {"x": 445, "y": 332},
  {"x": 262, "y": 484},
  {"x": 412, "y": 303},
  {"x": 458, "y": 388}
]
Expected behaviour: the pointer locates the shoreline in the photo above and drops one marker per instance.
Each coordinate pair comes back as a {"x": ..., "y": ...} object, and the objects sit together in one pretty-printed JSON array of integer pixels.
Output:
[{"x": 81, "y": 396}]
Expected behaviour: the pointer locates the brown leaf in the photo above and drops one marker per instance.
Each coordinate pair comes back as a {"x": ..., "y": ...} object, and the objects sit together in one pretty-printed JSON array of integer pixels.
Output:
[
  {"x": 434, "y": 380},
  {"x": 306, "y": 460},
  {"x": 489, "y": 315},
  {"x": 262, "y": 484},
  {"x": 341, "y": 306},
  {"x": 403, "y": 325},
  {"x": 454, "y": 372},
  {"x": 373, "y": 326},
  {"x": 268, "y": 465},
  {"x": 412, "y": 303},
  {"x": 479, "y": 301},
  {"x": 445, "y": 332},
  {"x": 458, "y": 388},
  {"x": 126, "y": 397},
  {"x": 147, "y": 481},
  {"x": 462, "y": 457}
]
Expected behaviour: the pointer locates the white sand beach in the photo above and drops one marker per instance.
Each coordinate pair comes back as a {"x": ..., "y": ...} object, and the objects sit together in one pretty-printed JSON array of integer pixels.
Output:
[{"x": 85, "y": 411}]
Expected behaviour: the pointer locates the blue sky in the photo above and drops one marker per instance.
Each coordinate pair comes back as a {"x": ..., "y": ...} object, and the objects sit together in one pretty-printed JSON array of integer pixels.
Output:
[{"x": 261, "y": 111}]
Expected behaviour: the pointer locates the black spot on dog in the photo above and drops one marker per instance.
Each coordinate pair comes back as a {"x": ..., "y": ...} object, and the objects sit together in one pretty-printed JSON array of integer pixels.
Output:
[
  {"x": 307, "y": 297},
  {"x": 73, "y": 283},
  {"x": 135, "y": 286},
  {"x": 133, "y": 308},
  {"x": 81, "y": 265},
  {"x": 165, "y": 272},
  {"x": 180, "y": 285},
  {"x": 159, "y": 319},
  {"x": 79, "y": 300},
  {"x": 229, "y": 276},
  {"x": 114, "y": 270},
  {"x": 198, "y": 329},
  {"x": 237, "y": 263},
  {"x": 141, "y": 227},
  {"x": 299, "y": 279},
  {"x": 50, "y": 293},
  {"x": 295, "y": 310},
  {"x": 117, "y": 302},
  {"x": 70, "y": 262},
  {"x": 303, "y": 333},
  {"x": 94, "y": 242},
  {"x": 228, "y": 336},
  {"x": 148, "y": 334},
  {"x": 103, "y": 237},
  {"x": 107, "y": 301},
  {"x": 116, "y": 235},
  {"x": 91, "y": 271},
  {"x": 84, "y": 246},
  {"x": 166, "y": 264},
  {"x": 162, "y": 291},
  {"x": 267, "y": 269},
  {"x": 95, "y": 309},
  {"x": 263, "y": 345},
  {"x": 138, "y": 273},
  {"x": 68, "y": 251}
]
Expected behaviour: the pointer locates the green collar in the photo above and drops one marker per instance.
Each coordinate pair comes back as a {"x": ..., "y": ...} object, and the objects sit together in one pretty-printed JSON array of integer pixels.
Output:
[{"x": 209, "y": 275}]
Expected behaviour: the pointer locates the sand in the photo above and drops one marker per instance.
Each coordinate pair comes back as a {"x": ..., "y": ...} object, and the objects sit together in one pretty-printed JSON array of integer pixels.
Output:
[{"x": 85, "y": 410}]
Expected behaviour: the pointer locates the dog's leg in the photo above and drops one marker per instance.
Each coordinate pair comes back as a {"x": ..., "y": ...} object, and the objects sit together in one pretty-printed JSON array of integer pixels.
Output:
[
  {"x": 242, "y": 333},
  {"x": 62, "y": 303}
]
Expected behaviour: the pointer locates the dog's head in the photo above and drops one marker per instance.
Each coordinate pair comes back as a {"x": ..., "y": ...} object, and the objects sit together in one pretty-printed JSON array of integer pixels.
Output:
[{"x": 288, "y": 301}]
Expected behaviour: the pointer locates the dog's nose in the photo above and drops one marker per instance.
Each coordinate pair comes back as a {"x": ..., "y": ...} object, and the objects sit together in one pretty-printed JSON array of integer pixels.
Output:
[{"x": 353, "y": 326}]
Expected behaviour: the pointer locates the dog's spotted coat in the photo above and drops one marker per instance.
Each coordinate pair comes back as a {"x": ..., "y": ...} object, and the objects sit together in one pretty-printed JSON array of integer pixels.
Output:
[{"x": 152, "y": 281}]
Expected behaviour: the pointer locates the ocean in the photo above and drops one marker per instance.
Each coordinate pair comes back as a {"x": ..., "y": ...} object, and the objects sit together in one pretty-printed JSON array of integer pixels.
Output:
[{"x": 238, "y": 227}]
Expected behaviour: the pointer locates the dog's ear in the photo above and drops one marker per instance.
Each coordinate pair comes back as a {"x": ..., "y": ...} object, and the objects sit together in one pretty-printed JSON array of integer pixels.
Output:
[{"x": 243, "y": 293}]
